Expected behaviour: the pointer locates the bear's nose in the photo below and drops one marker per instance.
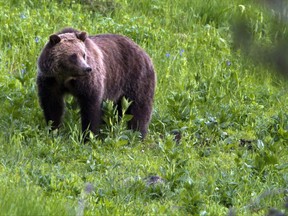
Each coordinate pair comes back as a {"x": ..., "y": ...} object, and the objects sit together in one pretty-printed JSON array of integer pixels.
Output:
[{"x": 88, "y": 69}]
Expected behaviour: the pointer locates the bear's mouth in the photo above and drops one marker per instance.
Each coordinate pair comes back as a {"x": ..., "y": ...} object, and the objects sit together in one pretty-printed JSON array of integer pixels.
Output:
[
  {"x": 68, "y": 82},
  {"x": 78, "y": 75},
  {"x": 74, "y": 77}
]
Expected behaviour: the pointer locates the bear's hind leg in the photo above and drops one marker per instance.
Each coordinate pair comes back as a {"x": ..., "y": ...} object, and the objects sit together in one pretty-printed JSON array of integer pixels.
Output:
[{"x": 141, "y": 117}]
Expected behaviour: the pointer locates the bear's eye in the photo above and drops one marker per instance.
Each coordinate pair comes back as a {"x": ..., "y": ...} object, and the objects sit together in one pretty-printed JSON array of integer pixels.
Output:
[
  {"x": 84, "y": 56},
  {"x": 73, "y": 57}
]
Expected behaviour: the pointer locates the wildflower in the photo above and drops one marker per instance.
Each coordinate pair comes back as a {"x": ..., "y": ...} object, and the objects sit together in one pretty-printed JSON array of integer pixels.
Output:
[
  {"x": 181, "y": 52},
  {"x": 23, "y": 71},
  {"x": 37, "y": 39},
  {"x": 153, "y": 180},
  {"x": 167, "y": 55},
  {"x": 22, "y": 16},
  {"x": 228, "y": 63},
  {"x": 89, "y": 188}
]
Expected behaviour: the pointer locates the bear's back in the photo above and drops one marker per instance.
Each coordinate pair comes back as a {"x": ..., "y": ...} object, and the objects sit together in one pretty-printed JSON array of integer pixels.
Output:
[
  {"x": 124, "y": 51},
  {"x": 126, "y": 63}
]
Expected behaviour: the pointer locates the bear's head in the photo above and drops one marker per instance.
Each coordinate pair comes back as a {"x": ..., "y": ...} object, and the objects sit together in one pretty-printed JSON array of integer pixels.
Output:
[{"x": 69, "y": 54}]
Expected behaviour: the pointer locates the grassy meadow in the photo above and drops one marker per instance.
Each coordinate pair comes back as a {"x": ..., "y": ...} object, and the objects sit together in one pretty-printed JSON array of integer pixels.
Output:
[{"x": 217, "y": 142}]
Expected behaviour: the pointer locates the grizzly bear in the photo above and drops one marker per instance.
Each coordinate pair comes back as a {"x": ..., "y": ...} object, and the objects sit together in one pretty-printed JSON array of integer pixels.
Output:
[{"x": 94, "y": 69}]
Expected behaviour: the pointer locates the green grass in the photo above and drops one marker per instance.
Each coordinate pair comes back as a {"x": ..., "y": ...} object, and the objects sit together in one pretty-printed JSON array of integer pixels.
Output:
[{"x": 231, "y": 112}]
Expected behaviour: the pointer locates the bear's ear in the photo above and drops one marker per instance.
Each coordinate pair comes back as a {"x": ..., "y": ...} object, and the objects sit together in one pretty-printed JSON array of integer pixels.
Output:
[
  {"x": 81, "y": 36},
  {"x": 54, "y": 39}
]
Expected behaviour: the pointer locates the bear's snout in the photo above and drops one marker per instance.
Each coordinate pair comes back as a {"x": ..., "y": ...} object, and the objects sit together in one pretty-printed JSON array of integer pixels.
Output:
[{"x": 88, "y": 69}]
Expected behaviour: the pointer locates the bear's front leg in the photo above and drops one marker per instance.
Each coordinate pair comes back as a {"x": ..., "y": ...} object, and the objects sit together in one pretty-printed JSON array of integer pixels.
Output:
[
  {"x": 90, "y": 108},
  {"x": 51, "y": 100}
]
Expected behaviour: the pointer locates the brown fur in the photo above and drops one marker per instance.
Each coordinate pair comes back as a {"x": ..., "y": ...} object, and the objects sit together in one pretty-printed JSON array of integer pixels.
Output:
[{"x": 93, "y": 69}]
